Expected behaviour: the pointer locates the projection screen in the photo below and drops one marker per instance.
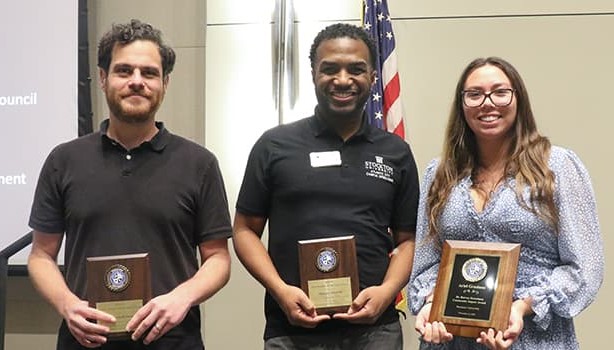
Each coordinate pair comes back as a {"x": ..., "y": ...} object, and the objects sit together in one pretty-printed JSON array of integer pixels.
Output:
[{"x": 38, "y": 101}]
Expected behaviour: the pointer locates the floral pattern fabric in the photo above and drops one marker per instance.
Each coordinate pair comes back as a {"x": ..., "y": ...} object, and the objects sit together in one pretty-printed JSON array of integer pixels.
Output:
[{"x": 562, "y": 271}]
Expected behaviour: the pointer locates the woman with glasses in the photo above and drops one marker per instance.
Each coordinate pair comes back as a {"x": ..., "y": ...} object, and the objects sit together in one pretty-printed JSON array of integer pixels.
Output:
[{"x": 499, "y": 180}]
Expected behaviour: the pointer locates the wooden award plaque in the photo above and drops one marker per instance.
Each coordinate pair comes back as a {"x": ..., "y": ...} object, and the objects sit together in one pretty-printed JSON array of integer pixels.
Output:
[
  {"x": 329, "y": 272},
  {"x": 118, "y": 285},
  {"x": 475, "y": 286}
]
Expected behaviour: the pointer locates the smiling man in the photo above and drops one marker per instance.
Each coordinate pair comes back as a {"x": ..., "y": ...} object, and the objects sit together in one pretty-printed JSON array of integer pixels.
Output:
[
  {"x": 132, "y": 187},
  {"x": 326, "y": 176}
]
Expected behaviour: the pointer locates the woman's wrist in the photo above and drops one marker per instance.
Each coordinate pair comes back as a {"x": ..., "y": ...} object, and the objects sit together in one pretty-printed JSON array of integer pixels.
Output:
[
  {"x": 428, "y": 299},
  {"x": 524, "y": 306}
]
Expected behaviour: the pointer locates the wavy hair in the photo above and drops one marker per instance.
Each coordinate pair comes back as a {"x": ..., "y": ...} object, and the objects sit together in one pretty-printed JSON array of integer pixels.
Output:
[
  {"x": 527, "y": 158},
  {"x": 126, "y": 33}
]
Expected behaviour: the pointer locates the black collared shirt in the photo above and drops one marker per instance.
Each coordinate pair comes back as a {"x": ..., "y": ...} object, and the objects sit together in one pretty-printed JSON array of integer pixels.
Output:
[
  {"x": 310, "y": 184},
  {"x": 163, "y": 197}
]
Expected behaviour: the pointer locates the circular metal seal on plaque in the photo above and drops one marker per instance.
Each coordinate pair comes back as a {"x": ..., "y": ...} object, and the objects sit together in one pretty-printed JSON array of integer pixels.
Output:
[
  {"x": 327, "y": 260},
  {"x": 474, "y": 269},
  {"x": 117, "y": 278}
]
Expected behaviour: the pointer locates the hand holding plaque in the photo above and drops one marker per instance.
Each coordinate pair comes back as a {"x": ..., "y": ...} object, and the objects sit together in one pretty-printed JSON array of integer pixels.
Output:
[
  {"x": 118, "y": 285},
  {"x": 329, "y": 272},
  {"x": 475, "y": 286}
]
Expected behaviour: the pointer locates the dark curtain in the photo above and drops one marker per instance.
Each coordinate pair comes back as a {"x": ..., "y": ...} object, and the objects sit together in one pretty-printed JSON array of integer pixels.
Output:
[{"x": 84, "y": 92}]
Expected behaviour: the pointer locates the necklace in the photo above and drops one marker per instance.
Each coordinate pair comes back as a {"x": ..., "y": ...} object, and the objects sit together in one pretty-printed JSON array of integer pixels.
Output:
[
  {"x": 487, "y": 182},
  {"x": 484, "y": 190},
  {"x": 488, "y": 187}
]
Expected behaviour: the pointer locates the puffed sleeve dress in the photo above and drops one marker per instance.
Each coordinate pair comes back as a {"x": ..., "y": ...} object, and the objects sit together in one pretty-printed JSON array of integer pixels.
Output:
[{"x": 562, "y": 271}]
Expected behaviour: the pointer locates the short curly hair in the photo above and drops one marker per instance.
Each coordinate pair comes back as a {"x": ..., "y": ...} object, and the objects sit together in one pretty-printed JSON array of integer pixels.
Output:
[
  {"x": 126, "y": 33},
  {"x": 343, "y": 30}
]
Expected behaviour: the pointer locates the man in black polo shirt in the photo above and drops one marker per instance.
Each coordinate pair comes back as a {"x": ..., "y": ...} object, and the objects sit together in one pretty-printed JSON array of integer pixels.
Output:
[
  {"x": 132, "y": 187},
  {"x": 326, "y": 176}
]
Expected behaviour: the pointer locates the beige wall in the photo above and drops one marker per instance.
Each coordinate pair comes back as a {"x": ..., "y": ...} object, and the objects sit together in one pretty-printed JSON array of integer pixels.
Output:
[
  {"x": 561, "y": 48},
  {"x": 183, "y": 25},
  {"x": 565, "y": 61}
]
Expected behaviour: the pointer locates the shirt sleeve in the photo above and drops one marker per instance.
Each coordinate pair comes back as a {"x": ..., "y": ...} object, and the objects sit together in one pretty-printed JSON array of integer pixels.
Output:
[
  {"x": 47, "y": 213},
  {"x": 572, "y": 285},
  {"x": 214, "y": 217},
  {"x": 428, "y": 254},
  {"x": 254, "y": 194},
  {"x": 407, "y": 195}
]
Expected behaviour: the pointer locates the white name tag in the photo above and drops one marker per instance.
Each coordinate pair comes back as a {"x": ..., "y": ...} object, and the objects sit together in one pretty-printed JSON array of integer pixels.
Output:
[{"x": 322, "y": 159}]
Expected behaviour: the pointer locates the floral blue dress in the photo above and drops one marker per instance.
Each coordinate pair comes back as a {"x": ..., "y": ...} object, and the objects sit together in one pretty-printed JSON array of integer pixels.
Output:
[{"x": 561, "y": 271}]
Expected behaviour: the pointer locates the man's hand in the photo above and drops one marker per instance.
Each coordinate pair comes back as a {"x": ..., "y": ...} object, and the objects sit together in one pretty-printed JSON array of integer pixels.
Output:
[
  {"x": 368, "y": 306},
  {"x": 79, "y": 317},
  {"x": 299, "y": 309},
  {"x": 158, "y": 316},
  {"x": 83, "y": 322}
]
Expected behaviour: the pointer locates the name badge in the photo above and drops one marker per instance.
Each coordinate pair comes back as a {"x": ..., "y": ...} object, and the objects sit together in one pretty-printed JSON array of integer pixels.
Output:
[{"x": 322, "y": 159}]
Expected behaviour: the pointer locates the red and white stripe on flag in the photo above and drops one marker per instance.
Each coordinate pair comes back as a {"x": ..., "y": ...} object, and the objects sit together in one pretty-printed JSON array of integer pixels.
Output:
[{"x": 384, "y": 108}]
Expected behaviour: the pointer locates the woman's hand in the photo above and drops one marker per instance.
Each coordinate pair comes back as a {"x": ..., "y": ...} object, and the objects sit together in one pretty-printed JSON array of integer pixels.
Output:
[
  {"x": 431, "y": 332},
  {"x": 504, "y": 340}
]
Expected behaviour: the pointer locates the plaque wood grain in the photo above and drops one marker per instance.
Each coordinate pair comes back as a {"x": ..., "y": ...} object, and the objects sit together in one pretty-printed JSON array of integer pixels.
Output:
[
  {"x": 139, "y": 288},
  {"x": 502, "y": 291},
  {"x": 345, "y": 247}
]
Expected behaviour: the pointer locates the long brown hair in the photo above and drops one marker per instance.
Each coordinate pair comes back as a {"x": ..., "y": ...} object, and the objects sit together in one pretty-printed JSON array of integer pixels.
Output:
[{"x": 527, "y": 160}]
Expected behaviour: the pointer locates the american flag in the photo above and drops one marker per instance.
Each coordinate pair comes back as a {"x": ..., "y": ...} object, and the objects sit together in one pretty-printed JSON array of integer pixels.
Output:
[{"x": 384, "y": 108}]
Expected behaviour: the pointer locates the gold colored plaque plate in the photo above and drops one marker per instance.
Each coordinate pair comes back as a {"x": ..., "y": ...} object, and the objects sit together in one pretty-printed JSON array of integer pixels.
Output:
[
  {"x": 330, "y": 292},
  {"x": 123, "y": 311}
]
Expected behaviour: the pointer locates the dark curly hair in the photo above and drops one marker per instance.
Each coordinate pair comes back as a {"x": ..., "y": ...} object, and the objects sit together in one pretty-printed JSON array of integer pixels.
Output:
[
  {"x": 126, "y": 33},
  {"x": 343, "y": 30}
]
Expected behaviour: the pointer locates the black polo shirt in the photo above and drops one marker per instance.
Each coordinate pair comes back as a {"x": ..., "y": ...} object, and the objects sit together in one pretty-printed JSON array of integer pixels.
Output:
[
  {"x": 163, "y": 197},
  {"x": 310, "y": 184}
]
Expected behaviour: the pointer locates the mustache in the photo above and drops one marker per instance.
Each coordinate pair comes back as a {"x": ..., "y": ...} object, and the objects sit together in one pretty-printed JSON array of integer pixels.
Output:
[{"x": 136, "y": 93}]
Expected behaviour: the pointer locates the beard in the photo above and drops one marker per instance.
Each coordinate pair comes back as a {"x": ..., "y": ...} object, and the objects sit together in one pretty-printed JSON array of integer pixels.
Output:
[
  {"x": 327, "y": 107},
  {"x": 130, "y": 113}
]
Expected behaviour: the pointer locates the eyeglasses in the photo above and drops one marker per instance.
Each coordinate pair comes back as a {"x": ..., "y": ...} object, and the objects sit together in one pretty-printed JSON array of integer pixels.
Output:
[{"x": 498, "y": 97}]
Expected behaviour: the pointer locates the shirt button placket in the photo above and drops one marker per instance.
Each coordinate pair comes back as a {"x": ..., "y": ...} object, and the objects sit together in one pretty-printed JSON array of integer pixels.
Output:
[
  {"x": 344, "y": 164},
  {"x": 126, "y": 171}
]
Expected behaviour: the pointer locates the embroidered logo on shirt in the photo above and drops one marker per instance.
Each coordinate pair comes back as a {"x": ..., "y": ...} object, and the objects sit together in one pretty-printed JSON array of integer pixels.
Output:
[{"x": 379, "y": 170}]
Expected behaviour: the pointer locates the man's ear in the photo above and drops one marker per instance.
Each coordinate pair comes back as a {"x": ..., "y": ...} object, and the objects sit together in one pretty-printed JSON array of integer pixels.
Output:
[
  {"x": 373, "y": 77},
  {"x": 103, "y": 78},
  {"x": 165, "y": 81}
]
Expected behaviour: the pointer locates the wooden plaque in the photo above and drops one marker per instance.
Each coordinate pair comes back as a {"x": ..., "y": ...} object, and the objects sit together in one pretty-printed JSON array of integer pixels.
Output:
[
  {"x": 475, "y": 286},
  {"x": 119, "y": 285},
  {"x": 329, "y": 272}
]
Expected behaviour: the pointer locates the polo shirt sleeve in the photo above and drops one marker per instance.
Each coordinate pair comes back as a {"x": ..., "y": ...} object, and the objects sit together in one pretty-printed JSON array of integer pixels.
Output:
[
  {"x": 255, "y": 192},
  {"x": 407, "y": 195},
  {"x": 47, "y": 213},
  {"x": 213, "y": 219}
]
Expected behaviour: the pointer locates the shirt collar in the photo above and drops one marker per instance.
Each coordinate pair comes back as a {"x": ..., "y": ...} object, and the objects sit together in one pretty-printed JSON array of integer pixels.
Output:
[
  {"x": 319, "y": 127},
  {"x": 157, "y": 143}
]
